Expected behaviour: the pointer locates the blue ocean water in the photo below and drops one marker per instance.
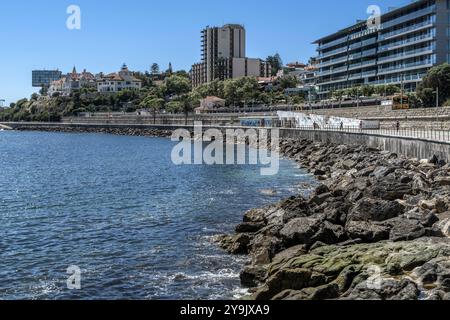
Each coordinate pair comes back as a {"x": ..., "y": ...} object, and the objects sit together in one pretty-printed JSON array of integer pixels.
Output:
[{"x": 136, "y": 225}]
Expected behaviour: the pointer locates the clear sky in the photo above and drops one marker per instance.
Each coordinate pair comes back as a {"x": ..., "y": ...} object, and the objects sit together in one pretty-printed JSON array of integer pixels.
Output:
[{"x": 34, "y": 35}]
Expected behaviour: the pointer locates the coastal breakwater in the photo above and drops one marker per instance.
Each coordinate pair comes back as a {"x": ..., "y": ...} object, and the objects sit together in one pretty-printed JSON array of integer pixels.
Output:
[{"x": 377, "y": 227}]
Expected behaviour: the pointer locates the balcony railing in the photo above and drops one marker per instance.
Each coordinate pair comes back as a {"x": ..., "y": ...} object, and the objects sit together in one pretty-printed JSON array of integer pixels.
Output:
[
  {"x": 428, "y": 23},
  {"x": 405, "y": 66},
  {"x": 408, "y": 17},
  {"x": 409, "y": 53},
  {"x": 369, "y": 52},
  {"x": 333, "y": 43},
  {"x": 425, "y": 37},
  {"x": 332, "y": 53},
  {"x": 336, "y": 79},
  {"x": 332, "y": 62}
]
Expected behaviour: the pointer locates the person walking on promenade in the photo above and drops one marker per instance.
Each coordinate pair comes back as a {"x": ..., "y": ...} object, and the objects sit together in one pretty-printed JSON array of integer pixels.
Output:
[
  {"x": 397, "y": 126},
  {"x": 360, "y": 126},
  {"x": 342, "y": 126}
]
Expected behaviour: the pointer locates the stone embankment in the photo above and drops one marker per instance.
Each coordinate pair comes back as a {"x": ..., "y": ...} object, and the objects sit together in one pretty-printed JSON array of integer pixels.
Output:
[
  {"x": 377, "y": 227},
  {"x": 116, "y": 131}
]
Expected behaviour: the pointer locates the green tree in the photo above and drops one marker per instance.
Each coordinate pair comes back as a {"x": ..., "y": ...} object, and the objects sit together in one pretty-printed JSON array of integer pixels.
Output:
[
  {"x": 276, "y": 63},
  {"x": 288, "y": 82},
  {"x": 177, "y": 85},
  {"x": 436, "y": 79},
  {"x": 153, "y": 103},
  {"x": 174, "y": 106},
  {"x": 154, "y": 69},
  {"x": 367, "y": 90}
]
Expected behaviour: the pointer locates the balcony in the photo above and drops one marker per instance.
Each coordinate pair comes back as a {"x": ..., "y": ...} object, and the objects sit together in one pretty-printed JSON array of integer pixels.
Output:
[
  {"x": 407, "y": 54},
  {"x": 340, "y": 69},
  {"x": 366, "y": 74},
  {"x": 332, "y": 62},
  {"x": 408, "y": 17},
  {"x": 367, "y": 53},
  {"x": 333, "y": 53},
  {"x": 400, "y": 32},
  {"x": 337, "y": 79},
  {"x": 333, "y": 43},
  {"x": 354, "y": 56},
  {"x": 404, "y": 67},
  {"x": 407, "y": 42}
]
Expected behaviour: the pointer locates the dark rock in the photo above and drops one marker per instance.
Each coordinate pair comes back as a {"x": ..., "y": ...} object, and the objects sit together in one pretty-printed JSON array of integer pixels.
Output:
[
  {"x": 253, "y": 276},
  {"x": 442, "y": 181},
  {"x": 249, "y": 227},
  {"x": 367, "y": 231},
  {"x": 293, "y": 279},
  {"x": 300, "y": 231},
  {"x": 239, "y": 244},
  {"x": 404, "y": 229},
  {"x": 368, "y": 209},
  {"x": 320, "y": 199},
  {"x": 381, "y": 172}
]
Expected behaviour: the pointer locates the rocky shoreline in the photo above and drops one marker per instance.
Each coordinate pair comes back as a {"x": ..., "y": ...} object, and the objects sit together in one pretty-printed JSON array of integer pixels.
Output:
[
  {"x": 137, "y": 132},
  {"x": 377, "y": 227}
]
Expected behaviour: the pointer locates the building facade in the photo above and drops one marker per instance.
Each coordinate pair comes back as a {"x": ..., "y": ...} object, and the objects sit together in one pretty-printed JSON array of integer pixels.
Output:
[
  {"x": 224, "y": 56},
  {"x": 71, "y": 82},
  {"x": 44, "y": 78},
  {"x": 116, "y": 82},
  {"x": 408, "y": 42}
]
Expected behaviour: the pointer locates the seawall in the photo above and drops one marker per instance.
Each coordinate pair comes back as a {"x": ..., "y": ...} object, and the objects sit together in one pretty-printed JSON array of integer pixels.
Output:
[{"x": 410, "y": 147}]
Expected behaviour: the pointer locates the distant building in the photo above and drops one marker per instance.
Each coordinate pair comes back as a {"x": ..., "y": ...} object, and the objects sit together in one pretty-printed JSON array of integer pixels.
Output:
[
  {"x": 44, "y": 78},
  {"x": 2, "y": 103},
  {"x": 116, "y": 82},
  {"x": 408, "y": 42},
  {"x": 72, "y": 82},
  {"x": 223, "y": 56}
]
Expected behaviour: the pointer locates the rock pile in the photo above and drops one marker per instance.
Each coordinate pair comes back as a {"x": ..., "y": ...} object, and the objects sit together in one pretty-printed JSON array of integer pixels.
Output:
[
  {"x": 376, "y": 228},
  {"x": 116, "y": 131}
]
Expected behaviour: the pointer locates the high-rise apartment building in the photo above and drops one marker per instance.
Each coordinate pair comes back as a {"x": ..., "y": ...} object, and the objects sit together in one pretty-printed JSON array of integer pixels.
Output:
[
  {"x": 223, "y": 56},
  {"x": 400, "y": 50}
]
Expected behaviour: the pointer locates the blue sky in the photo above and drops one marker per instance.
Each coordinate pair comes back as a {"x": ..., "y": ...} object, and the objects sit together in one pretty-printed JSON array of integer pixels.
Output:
[{"x": 33, "y": 34}]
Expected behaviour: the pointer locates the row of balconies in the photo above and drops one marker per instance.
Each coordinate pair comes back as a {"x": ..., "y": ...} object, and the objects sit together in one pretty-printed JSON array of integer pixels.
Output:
[
  {"x": 389, "y": 24},
  {"x": 411, "y": 16},
  {"x": 393, "y": 46},
  {"x": 408, "y": 54},
  {"x": 407, "y": 42},
  {"x": 409, "y": 29},
  {"x": 371, "y": 73}
]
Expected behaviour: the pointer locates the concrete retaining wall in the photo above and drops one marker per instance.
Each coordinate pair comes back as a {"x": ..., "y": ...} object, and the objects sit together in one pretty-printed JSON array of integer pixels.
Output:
[{"x": 414, "y": 148}]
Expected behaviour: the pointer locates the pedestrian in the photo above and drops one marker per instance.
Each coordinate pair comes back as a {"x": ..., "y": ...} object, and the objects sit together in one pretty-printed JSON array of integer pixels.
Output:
[
  {"x": 360, "y": 125},
  {"x": 397, "y": 125},
  {"x": 342, "y": 125}
]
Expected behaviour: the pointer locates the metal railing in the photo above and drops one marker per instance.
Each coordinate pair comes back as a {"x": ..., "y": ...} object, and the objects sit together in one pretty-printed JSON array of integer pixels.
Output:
[{"x": 439, "y": 135}]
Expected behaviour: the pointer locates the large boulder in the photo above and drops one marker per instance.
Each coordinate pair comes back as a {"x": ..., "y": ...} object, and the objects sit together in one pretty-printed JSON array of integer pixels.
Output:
[
  {"x": 300, "y": 231},
  {"x": 367, "y": 231},
  {"x": 310, "y": 230},
  {"x": 368, "y": 209}
]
